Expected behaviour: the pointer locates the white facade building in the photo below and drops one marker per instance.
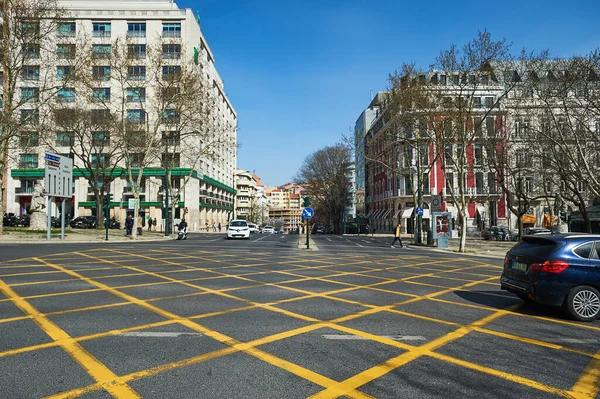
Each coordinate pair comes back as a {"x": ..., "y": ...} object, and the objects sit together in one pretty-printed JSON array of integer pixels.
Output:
[{"x": 209, "y": 195}]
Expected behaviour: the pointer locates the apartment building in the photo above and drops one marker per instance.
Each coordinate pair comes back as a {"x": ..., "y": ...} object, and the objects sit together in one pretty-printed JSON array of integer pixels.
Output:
[
  {"x": 285, "y": 208},
  {"x": 208, "y": 196},
  {"x": 246, "y": 206}
]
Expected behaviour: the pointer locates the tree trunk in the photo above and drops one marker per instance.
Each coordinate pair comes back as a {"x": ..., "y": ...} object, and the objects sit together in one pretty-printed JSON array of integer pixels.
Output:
[
  {"x": 520, "y": 225},
  {"x": 136, "y": 211},
  {"x": 1, "y": 191},
  {"x": 463, "y": 232},
  {"x": 99, "y": 210},
  {"x": 586, "y": 219}
]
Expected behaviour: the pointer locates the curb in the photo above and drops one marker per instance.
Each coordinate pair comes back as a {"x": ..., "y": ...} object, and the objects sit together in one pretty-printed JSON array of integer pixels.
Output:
[
  {"x": 57, "y": 240},
  {"x": 302, "y": 244}
]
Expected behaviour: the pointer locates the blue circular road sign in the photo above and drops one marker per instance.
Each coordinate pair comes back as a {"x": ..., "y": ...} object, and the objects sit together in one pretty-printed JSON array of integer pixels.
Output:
[{"x": 307, "y": 213}]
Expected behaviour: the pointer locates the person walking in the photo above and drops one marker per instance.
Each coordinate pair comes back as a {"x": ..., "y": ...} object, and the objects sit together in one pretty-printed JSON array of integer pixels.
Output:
[
  {"x": 154, "y": 223},
  {"x": 397, "y": 236},
  {"x": 219, "y": 227},
  {"x": 128, "y": 225},
  {"x": 140, "y": 220},
  {"x": 149, "y": 223},
  {"x": 214, "y": 226}
]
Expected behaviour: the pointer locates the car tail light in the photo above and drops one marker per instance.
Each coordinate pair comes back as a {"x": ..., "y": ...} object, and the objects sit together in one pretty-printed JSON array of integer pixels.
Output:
[
  {"x": 506, "y": 261},
  {"x": 550, "y": 266}
]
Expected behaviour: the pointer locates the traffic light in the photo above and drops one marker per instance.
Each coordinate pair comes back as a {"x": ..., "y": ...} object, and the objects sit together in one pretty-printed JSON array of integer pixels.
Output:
[
  {"x": 306, "y": 202},
  {"x": 107, "y": 199}
]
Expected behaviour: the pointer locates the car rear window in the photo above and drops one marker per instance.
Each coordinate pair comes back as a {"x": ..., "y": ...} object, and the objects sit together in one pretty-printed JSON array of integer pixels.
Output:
[
  {"x": 239, "y": 224},
  {"x": 583, "y": 251},
  {"x": 536, "y": 246}
]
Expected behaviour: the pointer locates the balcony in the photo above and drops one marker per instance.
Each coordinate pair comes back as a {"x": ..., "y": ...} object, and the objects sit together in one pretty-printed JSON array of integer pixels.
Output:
[
  {"x": 129, "y": 190},
  {"x": 24, "y": 190}
]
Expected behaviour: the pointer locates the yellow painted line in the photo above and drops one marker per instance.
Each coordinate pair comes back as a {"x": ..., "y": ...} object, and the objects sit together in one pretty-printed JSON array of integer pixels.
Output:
[
  {"x": 245, "y": 347},
  {"x": 500, "y": 374},
  {"x": 87, "y": 361},
  {"x": 588, "y": 384}
]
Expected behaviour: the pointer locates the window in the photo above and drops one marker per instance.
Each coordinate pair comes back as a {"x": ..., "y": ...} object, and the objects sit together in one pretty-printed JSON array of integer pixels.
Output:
[
  {"x": 170, "y": 116},
  {"x": 489, "y": 102},
  {"x": 477, "y": 102},
  {"x": 477, "y": 125},
  {"x": 63, "y": 72},
  {"x": 136, "y": 51},
  {"x": 581, "y": 186},
  {"x": 136, "y": 72},
  {"x": 64, "y": 139},
  {"x": 136, "y": 161},
  {"x": 443, "y": 80},
  {"x": 101, "y": 29},
  {"x": 171, "y": 72},
  {"x": 492, "y": 183},
  {"x": 448, "y": 156},
  {"x": 30, "y": 117},
  {"x": 65, "y": 95},
  {"x": 99, "y": 160},
  {"x": 28, "y": 161},
  {"x": 490, "y": 126},
  {"x": 101, "y": 94},
  {"x": 29, "y": 140},
  {"x": 449, "y": 182},
  {"x": 30, "y": 30},
  {"x": 31, "y": 72},
  {"x": 171, "y": 137},
  {"x": 101, "y": 51},
  {"x": 424, "y": 154},
  {"x": 169, "y": 94},
  {"x": 66, "y": 29},
  {"x": 136, "y": 29},
  {"x": 172, "y": 160},
  {"x": 136, "y": 116},
  {"x": 136, "y": 95},
  {"x": 65, "y": 51},
  {"x": 101, "y": 73},
  {"x": 425, "y": 182},
  {"x": 171, "y": 51},
  {"x": 171, "y": 29},
  {"x": 100, "y": 138},
  {"x": 30, "y": 94},
  {"x": 477, "y": 154},
  {"x": 583, "y": 251},
  {"x": 31, "y": 50},
  {"x": 100, "y": 116},
  {"x": 529, "y": 184},
  {"x": 479, "y": 183}
]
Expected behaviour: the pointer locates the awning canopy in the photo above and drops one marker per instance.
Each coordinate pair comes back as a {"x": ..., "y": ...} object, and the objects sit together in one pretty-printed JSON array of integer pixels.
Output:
[
  {"x": 376, "y": 214},
  {"x": 387, "y": 213},
  {"x": 452, "y": 210},
  {"x": 397, "y": 213},
  {"x": 481, "y": 210},
  {"x": 528, "y": 219},
  {"x": 407, "y": 213},
  {"x": 426, "y": 214},
  {"x": 369, "y": 214}
]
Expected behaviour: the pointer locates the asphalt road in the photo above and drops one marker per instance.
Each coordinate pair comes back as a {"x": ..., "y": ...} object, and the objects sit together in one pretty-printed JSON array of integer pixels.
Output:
[{"x": 259, "y": 318}]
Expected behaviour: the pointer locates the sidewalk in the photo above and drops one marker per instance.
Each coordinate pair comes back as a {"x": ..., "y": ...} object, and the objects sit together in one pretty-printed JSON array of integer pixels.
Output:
[{"x": 78, "y": 236}]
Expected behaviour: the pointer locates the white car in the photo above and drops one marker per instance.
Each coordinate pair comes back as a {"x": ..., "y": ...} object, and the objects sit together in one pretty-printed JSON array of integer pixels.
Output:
[
  {"x": 268, "y": 230},
  {"x": 253, "y": 228},
  {"x": 238, "y": 229}
]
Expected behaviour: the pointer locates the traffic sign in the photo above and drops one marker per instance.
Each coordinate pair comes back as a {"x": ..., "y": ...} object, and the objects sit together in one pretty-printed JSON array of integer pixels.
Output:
[
  {"x": 58, "y": 176},
  {"x": 307, "y": 213},
  {"x": 436, "y": 203},
  {"x": 131, "y": 203},
  {"x": 419, "y": 211}
]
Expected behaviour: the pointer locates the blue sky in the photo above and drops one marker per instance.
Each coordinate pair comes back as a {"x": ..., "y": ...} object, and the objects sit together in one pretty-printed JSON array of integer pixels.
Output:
[{"x": 299, "y": 73}]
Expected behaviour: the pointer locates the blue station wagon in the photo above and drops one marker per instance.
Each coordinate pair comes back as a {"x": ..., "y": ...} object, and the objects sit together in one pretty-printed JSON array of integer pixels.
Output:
[{"x": 558, "y": 270}]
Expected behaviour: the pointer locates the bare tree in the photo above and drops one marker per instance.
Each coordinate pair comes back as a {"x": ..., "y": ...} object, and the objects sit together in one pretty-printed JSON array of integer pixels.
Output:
[
  {"x": 27, "y": 43},
  {"x": 324, "y": 178}
]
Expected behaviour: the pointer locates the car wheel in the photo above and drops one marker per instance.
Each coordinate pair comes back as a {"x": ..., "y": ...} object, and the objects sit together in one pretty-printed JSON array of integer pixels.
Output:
[{"x": 583, "y": 303}]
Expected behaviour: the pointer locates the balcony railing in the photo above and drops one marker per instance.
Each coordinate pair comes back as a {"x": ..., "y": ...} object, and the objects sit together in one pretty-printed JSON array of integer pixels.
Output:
[{"x": 24, "y": 190}]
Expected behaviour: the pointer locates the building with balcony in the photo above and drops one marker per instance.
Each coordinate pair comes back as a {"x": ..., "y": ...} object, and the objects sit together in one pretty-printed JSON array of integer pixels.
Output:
[
  {"x": 285, "y": 208},
  {"x": 246, "y": 204},
  {"x": 208, "y": 195}
]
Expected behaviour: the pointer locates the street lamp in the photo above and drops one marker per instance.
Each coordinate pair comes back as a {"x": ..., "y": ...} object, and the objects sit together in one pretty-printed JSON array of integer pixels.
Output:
[{"x": 166, "y": 136}]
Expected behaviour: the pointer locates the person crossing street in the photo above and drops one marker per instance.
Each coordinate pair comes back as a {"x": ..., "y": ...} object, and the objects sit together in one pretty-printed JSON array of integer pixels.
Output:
[{"x": 397, "y": 236}]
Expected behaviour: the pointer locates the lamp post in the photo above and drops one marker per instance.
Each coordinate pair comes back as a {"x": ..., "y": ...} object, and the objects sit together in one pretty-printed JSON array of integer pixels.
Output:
[
  {"x": 166, "y": 165},
  {"x": 419, "y": 196}
]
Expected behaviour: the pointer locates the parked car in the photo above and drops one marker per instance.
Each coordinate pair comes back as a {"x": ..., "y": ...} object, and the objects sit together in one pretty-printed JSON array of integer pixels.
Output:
[
  {"x": 83, "y": 222},
  {"x": 536, "y": 230},
  {"x": 319, "y": 229},
  {"x": 238, "y": 229},
  {"x": 558, "y": 270},
  {"x": 253, "y": 228},
  {"x": 496, "y": 233},
  {"x": 268, "y": 230}
]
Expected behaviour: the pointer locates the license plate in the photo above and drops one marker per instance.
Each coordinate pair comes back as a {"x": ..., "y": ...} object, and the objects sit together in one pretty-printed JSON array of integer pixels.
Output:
[{"x": 519, "y": 266}]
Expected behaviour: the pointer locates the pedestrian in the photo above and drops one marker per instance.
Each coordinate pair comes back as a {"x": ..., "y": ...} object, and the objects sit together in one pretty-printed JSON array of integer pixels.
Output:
[
  {"x": 373, "y": 233},
  {"x": 128, "y": 225},
  {"x": 140, "y": 220},
  {"x": 397, "y": 236},
  {"x": 367, "y": 229},
  {"x": 149, "y": 223},
  {"x": 214, "y": 226},
  {"x": 219, "y": 227},
  {"x": 154, "y": 223},
  {"x": 206, "y": 226}
]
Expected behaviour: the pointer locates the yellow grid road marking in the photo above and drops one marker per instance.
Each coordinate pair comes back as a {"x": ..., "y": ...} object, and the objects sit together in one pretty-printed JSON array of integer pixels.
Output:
[
  {"x": 89, "y": 363},
  {"x": 588, "y": 384}
]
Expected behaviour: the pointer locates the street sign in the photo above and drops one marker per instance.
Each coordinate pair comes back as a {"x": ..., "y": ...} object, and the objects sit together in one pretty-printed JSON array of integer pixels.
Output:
[
  {"x": 58, "y": 176},
  {"x": 436, "y": 203},
  {"x": 419, "y": 211},
  {"x": 131, "y": 203},
  {"x": 307, "y": 213}
]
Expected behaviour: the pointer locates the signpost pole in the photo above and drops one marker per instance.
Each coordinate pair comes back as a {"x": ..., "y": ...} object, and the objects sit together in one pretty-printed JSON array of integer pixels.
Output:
[
  {"x": 62, "y": 219},
  {"x": 106, "y": 218},
  {"x": 49, "y": 217}
]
